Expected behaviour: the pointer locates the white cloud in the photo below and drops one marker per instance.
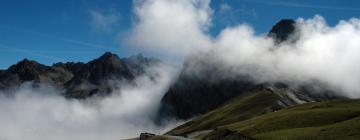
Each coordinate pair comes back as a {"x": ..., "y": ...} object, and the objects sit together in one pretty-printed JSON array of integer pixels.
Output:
[
  {"x": 104, "y": 21},
  {"x": 171, "y": 26},
  {"x": 43, "y": 114},
  {"x": 322, "y": 53},
  {"x": 299, "y": 5}
]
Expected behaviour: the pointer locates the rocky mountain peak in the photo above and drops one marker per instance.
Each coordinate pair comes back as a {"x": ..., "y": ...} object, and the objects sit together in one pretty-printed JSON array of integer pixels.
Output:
[
  {"x": 27, "y": 70},
  {"x": 108, "y": 56},
  {"x": 106, "y": 66},
  {"x": 282, "y": 30},
  {"x": 26, "y": 63}
]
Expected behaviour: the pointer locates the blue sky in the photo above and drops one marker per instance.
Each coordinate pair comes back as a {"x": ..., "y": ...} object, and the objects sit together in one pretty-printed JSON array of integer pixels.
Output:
[{"x": 69, "y": 30}]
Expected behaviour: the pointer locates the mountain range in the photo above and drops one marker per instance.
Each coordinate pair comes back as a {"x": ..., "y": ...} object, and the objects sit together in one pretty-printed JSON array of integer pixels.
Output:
[{"x": 80, "y": 80}]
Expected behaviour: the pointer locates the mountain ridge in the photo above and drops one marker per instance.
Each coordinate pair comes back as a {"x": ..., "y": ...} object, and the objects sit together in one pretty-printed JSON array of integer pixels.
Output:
[{"x": 72, "y": 75}]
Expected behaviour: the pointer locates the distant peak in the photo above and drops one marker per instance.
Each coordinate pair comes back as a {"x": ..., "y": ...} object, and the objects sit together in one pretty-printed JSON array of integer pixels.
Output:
[
  {"x": 108, "y": 56},
  {"x": 282, "y": 30},
  {"x": 286, "y": 21},
  {"x": 27, "y": 62},
  {"x": 27, "y": 70}
]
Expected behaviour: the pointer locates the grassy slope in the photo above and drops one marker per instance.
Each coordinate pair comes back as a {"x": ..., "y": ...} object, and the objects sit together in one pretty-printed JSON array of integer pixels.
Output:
[
  {"x": 249, "y": 115},
  {"x": 323, "y": 120},
  {"x": 260, "y": 101}
]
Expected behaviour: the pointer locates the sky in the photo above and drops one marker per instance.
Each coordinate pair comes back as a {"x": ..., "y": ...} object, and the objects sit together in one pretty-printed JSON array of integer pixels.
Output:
[{"x": 68, "y": 30}]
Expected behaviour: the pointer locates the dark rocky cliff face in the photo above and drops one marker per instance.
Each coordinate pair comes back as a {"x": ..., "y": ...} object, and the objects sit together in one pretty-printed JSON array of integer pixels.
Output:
[
  {"x": 28, "y": 70},
  {"x": 80, "y": 80},
  {"x": 201, "y": 86},
  {"x": 282, "y": 30},
  {"x": 92, "y": 77},
  {"x": 108, "y": 66}
]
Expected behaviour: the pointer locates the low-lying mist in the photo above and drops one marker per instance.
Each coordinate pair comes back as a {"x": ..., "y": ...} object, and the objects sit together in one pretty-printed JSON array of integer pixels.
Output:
[{"x": 42, "y": 113}]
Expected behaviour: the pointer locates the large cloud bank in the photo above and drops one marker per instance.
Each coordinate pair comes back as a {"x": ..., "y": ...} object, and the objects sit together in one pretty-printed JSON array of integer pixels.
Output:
[
  {"x": 326, "y": 54},
  {"x": 43, "y": 114}
]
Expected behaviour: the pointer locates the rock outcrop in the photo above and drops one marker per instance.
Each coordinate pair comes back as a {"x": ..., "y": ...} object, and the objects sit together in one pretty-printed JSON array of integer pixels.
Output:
[{"x": 282, "y": 30}]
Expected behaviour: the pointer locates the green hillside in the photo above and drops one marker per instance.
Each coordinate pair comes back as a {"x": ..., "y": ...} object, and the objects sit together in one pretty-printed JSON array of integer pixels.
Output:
[
  {"x": 322, "y": 120},
  {"x": 258, "y": 115},
  {"x": 258, "y": 102}
]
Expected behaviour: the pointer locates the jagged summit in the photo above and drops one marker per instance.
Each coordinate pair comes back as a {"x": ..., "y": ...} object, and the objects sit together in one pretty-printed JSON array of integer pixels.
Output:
[
  {"x": 27, "y": 69},
  {"x": 27, "y": 64},
  {"x": 80, "y": 80},
  {"x": 282, "y": 30},
  {"x": 108, "y": 56},
  {"x": 109, "y": 65}
]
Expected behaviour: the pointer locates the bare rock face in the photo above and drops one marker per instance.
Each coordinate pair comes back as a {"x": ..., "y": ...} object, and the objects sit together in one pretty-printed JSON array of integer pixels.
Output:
[
  {"x": 108, "y": 66},
  {"x": 80, "y": 80},
  {"x": 92, "y": 78},
  {"x": 28, "y": 70},
  {"x": 201, "y": 86},
  {"x": 282, "y": 30}
]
